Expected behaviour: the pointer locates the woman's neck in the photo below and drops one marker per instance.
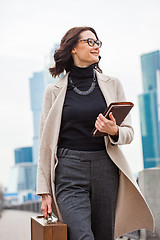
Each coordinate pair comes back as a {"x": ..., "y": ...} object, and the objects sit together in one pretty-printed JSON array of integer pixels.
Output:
[{"x": 82, "y": 72}]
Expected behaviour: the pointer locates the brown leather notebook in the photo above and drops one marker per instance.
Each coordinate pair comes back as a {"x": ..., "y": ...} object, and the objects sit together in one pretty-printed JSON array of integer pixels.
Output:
[{"x": 119, "y": 110}]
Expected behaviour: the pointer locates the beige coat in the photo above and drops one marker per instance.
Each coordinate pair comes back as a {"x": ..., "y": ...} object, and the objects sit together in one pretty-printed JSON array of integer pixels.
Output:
[{"x": 132, "y": 212}]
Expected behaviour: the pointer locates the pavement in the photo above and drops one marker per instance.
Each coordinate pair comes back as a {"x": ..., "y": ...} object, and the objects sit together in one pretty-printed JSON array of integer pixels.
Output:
[{"x": 16, "y": 225}]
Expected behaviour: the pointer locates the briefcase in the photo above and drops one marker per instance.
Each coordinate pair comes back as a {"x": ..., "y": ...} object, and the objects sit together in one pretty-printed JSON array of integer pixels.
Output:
[{"x": 47, "y": 231}]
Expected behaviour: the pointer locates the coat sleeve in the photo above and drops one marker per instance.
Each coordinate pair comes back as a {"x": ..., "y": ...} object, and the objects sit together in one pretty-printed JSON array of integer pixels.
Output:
[
  {"x": 44, "y": 154},
  {"x": 126, "y": 132}
]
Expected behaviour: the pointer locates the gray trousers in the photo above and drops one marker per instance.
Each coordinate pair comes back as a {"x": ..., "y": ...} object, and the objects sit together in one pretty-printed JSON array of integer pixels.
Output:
[{"x": 86, "y": 187}]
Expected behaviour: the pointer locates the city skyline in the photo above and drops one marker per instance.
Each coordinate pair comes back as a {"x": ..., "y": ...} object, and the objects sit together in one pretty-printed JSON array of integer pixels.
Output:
[{"x": 127, "y": 31}]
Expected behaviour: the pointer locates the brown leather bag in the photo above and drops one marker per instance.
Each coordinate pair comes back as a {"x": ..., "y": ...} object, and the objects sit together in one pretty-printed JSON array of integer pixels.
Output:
[{"x": 47, "y": 231}]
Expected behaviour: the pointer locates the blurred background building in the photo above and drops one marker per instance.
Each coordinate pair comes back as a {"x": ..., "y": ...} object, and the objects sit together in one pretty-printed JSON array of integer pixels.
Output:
[
  {"x": 37, "y": 86},
  {"x": 22, "y": 174},
  {"x": 23, "y": 154},
  {"x": 149, "y": 108},
  {"x": 22, "y": 179}
]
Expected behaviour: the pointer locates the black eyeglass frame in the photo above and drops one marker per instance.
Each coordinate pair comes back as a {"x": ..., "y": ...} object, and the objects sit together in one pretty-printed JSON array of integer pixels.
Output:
[{"x": 98, "y": 42}]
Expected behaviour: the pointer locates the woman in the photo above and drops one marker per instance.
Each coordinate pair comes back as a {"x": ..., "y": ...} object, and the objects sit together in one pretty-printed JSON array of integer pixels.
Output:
[{"x": 88, "y": 179}]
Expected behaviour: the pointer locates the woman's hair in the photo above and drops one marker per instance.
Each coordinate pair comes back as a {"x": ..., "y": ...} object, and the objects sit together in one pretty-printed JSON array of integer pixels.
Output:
[{"x": 62, "y": 56}]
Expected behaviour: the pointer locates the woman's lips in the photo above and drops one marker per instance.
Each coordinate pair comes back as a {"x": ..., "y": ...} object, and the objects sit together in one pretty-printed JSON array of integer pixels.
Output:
[{"x": 95, "y": 53}]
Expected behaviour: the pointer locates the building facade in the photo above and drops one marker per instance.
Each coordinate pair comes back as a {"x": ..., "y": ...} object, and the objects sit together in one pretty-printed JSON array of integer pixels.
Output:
[
  {"x": 37, "y": 87},
  {"x": 23, "y": 154},
  {"x": 149, "y": 108},
  {"x": 22, "y": 177}
]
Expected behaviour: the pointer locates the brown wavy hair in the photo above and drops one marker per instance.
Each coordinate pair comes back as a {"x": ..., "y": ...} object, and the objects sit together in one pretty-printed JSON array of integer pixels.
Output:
[{"x": 62, "y": 56}]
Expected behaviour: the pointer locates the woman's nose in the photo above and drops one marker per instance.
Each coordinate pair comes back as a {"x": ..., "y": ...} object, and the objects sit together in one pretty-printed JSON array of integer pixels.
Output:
[{"x": 96, "y": 46}]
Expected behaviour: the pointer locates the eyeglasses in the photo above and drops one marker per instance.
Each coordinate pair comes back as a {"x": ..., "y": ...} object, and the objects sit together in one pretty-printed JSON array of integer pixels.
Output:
[{"x": 91, "y": 42}]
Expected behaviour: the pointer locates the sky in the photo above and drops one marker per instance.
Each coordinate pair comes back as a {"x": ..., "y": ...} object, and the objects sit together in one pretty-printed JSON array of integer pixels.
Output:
[{"x": 28, "y": 31}]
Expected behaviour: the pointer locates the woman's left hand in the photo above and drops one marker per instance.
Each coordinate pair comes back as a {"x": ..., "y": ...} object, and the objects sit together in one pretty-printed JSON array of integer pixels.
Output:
[{"x": 105, "y": 125}]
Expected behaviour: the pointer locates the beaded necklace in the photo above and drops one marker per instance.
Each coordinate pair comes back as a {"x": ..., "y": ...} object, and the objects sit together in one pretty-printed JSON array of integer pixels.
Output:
[{"x": 87, "y": 92}]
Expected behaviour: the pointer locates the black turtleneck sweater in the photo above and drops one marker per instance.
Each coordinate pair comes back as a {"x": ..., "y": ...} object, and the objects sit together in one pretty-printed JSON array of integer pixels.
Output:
[{"x": 80, "y": 113}]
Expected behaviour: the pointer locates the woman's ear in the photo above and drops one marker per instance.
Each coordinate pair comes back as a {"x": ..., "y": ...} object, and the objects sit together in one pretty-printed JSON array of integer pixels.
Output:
[{"x": 73, "y": 50}]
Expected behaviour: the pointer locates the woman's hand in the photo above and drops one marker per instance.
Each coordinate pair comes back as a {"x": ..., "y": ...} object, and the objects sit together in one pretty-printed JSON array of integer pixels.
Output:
[
  {"x": 46, "y": 204},
  {"x": 105, "y": 125}
]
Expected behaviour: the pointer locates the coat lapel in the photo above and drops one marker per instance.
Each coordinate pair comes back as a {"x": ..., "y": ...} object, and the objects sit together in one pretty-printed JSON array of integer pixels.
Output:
[
  {"x": 103, "y": 82},
  {"x": 62, "y": 83},
  {"x": 106, "y": 88},
  {"x": 53, "y": 121}
]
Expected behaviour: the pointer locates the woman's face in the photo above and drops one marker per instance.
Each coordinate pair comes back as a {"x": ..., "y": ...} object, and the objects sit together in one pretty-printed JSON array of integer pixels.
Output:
[{"x": 83, "y": 54}]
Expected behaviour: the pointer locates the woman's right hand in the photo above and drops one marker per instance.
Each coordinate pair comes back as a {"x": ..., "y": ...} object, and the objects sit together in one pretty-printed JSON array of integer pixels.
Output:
[{"x": 46, "y": 204}]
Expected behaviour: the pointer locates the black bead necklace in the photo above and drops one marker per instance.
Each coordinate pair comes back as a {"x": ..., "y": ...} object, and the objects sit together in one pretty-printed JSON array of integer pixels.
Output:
[{"x": 90, "y": 90}]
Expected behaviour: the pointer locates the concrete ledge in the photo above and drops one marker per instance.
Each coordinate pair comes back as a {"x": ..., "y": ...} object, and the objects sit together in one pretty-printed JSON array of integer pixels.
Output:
[{"x": 149, "y": 182}]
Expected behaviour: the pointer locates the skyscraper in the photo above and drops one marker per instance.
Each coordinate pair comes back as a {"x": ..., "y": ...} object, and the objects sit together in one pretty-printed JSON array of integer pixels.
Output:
[
  {"x": 23, "y": 154},
  {"x": 37, "y": 87},
  {"x": 149, "y": 106},
  {"x": 23, "y": 173},
  {"x": 22, "y": 177}
]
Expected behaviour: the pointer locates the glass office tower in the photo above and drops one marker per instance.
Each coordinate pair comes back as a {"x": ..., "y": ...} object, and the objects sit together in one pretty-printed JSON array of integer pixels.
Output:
[
  {"x": 23, "y": 173},
  {"x": 37, "y": 87},
  {"x": 23, "y": 154},
  {"x": 149, "y": 109},
  {"x": 22, "y": 177}
]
